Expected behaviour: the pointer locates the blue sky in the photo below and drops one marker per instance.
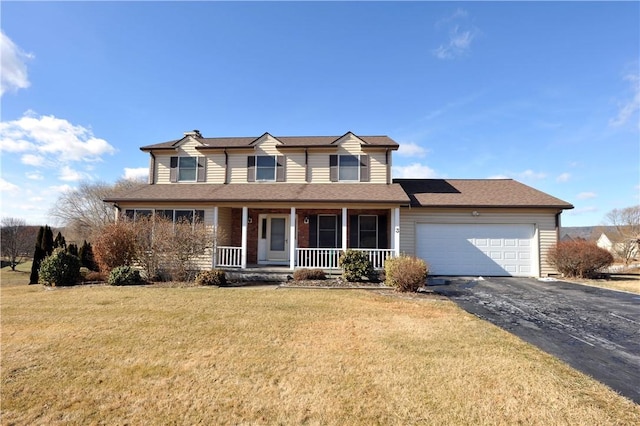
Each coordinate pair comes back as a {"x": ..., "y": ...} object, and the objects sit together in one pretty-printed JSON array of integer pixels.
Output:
[{"x": 547, "y": 93}]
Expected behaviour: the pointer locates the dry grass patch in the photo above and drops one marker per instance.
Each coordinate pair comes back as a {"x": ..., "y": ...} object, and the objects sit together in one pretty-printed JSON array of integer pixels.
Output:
[
  {"x": 140, "y": 355},
  {"x": 624, "y": 282}
]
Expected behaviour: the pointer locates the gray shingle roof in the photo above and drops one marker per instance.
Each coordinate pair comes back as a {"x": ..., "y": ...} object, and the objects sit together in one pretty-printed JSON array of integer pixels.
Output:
[
  {"x": 287, "y": 142},
  {"x": 269, "y": 192},
  {"x": 476, "y": 193}
]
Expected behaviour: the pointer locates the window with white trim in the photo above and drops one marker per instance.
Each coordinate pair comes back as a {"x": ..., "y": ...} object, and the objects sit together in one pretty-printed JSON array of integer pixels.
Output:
[
  {"x": 175, "y": 216},
  {"x": 348, "y": 168},
  {"x": 327, "y": 231},
  {"x": 368, "y": 231},
  {"x": 266, "y": 168},
  {"x": 187, "y": 169}
]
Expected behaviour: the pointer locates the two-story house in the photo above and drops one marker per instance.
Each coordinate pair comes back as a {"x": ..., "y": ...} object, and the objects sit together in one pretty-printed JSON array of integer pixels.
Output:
[{"x": 301, "y": 201}]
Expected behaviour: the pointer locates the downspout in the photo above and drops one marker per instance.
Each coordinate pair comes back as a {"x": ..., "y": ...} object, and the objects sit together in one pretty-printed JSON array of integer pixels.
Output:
[
  {"x": 152, "y": 172},
  {"x": 226, "y": 166},
  {"x": 386, "y": 163},
  {"x": 306, "y": 165}
]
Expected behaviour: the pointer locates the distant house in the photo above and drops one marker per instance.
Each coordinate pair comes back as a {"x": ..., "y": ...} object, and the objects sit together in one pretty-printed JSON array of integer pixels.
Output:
[
  {"x": 618, "y": 245},
  {"x": 301, "y": 201}
]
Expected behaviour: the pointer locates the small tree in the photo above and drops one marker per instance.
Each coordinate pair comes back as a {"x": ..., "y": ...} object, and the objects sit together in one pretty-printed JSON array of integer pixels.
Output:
[
  {"x": 59, "y": 241},
  {"x": 115, "y": 246},
  {"x": 154, "y": 237},
  {"x": 581, "y": 259},
  {"x": 73, "y": 250},
  {"x": 47, "y": 241},
  {"x": 86, "y": 256},
  {"x": 16, "y": 240},
  {"x": 187, "y": 243},
  {"x": 60, "y": 269},
  {"x": 38, "y": 255}
]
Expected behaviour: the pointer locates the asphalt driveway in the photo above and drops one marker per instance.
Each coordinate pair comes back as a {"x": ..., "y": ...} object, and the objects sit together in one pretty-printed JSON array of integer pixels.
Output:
[{"x": 596, "y": 331}]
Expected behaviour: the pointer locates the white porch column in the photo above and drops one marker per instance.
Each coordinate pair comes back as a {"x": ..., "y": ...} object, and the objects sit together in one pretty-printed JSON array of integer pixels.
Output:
[
  {"x": 243, "y": 255},
  {"x": 345, "y": 219},
  {"x": 214, "y": 256},
  {"x": 292, "y": 239},
  {"x": 396, "y": 230}
]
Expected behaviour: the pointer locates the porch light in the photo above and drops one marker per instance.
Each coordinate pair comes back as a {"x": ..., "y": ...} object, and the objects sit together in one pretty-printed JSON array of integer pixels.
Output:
[
  {"x": 249, "y": 220},
  {"x": 475, "y": 213},
  {"x": 306, "y": 220}
]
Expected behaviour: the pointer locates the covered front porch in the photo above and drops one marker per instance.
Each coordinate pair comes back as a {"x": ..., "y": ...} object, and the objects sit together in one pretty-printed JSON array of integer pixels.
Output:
[{"x": 303, "y": 237}]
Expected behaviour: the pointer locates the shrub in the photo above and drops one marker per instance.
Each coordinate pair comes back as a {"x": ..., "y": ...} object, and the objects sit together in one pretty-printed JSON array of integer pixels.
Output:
[
  {"x": 60, "y": 269},
  {"x": 124, "y": 275},
  {"x": 115, "y": 246},
  {"x": 304, "y": 274},
  {"x": 356, "y": 265},
  {"x": 405, "y": 273},
  {"x": 580, "y": 259},
  {"x": 212, "y": 277}
]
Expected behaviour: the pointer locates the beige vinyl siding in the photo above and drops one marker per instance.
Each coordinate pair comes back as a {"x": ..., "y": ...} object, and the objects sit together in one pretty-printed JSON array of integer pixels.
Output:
[
  {"x": 238, "y": 166},
  {"x": 543, "y": 220},
  {"x": 163, "y": 168},
  {"x": 377, "y": 168},
  {"x": 215, "y": 168},
  {"x": 318, "y": 163},
  {"x": 295, "y": 168}
]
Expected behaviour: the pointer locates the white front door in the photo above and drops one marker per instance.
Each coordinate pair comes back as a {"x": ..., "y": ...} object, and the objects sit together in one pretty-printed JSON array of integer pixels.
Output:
[{"x": 278, "y": 238}]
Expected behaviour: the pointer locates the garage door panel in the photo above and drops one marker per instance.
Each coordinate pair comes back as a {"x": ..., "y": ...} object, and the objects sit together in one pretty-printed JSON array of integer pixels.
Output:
[{"x": 474, "y": 249}]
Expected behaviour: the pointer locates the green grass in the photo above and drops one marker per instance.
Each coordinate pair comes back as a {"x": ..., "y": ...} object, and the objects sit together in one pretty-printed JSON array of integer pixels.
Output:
[{"x": 145, "y": 355}]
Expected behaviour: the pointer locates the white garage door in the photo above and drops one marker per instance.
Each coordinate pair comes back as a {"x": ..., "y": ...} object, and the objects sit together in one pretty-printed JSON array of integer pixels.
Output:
[{"x": 472, "y": 249}]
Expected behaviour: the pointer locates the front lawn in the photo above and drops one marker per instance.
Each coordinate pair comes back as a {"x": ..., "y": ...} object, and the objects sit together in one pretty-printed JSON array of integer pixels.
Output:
[{"x": 146, "y": 355}]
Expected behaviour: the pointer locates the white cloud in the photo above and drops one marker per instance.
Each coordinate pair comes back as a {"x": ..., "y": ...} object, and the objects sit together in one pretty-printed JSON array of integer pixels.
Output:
[
  {"x": 32, "y": 160},
  {"x": 582, "y": 210},
  {"x": 412, "y": 149},
  {"x": 586, "y": 195},
  {"x": 12, "y": 145},
  {"x": 61, "y": 188},
  {"x": 530, "y": 174},
  {"x": 630, "y": 107},
  {"x": 34, "y": 176},
  {"x": 68, "y": 174},
  {"x": 138, "y": 173},
  {"x": 460, "y": 36},
  {"x": 6, "y": 186},
  {"x": 14, "y": 69},
  {"x": 563, "y": 177},
  {"x": 55, "y": 137},
  {"x": 499, "y": 177},
  {"x": 414, "y": 170}
]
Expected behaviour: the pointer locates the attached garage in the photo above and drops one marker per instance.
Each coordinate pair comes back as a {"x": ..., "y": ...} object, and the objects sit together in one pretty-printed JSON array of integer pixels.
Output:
[
  {"x": 479, "y": 227},
  {"x": 477, "y": 249}
]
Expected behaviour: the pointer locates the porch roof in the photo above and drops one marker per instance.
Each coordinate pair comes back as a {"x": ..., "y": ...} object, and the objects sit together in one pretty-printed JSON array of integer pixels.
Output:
[
  {"x": 278, "y": 192},
  {"x": 477, "y": 193}
]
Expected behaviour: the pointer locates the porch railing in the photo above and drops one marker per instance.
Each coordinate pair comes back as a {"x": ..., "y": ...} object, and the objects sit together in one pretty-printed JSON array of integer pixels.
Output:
[
  {"x": 230, "y": 257},
  {"x": 323, "y": 258},
  {"x": 378, "y": 256},
  {"x": 327, "y": 258}
]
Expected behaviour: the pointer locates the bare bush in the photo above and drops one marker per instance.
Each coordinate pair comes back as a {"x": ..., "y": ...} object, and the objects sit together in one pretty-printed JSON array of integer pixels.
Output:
[
  {"x": 115, "y": 246},
  {"x": 580, "y": 259},
  {"x": 405, "y": 273}
]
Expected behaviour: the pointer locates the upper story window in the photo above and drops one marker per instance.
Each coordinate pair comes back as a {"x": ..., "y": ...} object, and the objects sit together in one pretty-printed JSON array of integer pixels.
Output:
[
  {"x": 188, "y": 169},
  {"x": 349, "y": 168},
  {"x": 266, "y": 168}
]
